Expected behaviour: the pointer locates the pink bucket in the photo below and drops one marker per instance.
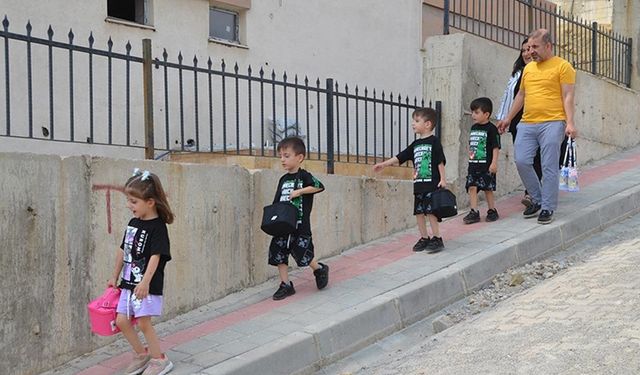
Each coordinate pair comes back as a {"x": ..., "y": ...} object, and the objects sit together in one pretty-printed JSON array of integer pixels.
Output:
[{"x": 102, "y": 313}]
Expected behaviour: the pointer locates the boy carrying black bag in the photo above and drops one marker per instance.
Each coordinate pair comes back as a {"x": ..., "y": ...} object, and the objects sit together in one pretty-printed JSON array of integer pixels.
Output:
[{"x": 298, "y": 187}]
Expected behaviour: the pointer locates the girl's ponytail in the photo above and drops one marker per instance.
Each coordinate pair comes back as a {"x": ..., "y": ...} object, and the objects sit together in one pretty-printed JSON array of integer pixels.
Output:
[{"x": 147, "y": 185}]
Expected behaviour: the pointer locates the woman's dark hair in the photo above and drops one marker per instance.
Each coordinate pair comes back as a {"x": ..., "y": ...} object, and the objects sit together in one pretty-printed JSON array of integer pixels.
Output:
[{"x": 519, "y": 64}]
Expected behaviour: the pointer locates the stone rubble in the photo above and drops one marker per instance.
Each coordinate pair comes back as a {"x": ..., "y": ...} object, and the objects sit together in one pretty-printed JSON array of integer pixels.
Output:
[{"x": 503, "y": 286}]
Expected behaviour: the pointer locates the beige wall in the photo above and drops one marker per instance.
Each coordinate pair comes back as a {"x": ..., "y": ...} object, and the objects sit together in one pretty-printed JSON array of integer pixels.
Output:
[
  {"x": 626, "y": 21},
  {"x": 461, "y": 67},
  {"x": 62, "y": 221},
  {"x": 599, "y": 11},
  {"x": 504, "y": 21}
]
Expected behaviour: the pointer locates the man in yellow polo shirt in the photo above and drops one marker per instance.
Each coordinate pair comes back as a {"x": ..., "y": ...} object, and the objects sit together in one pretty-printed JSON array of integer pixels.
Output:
[{"x": 546, "y": 92}]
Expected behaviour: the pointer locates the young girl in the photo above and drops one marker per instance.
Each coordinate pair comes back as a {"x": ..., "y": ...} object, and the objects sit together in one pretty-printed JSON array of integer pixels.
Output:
[{"x": 141, "y": 258}]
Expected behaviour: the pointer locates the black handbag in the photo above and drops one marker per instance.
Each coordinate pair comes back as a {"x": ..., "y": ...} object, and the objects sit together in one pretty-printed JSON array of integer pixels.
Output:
[
  {"x": 443, "y": 203},
  {"x": 279, "y": 219}
]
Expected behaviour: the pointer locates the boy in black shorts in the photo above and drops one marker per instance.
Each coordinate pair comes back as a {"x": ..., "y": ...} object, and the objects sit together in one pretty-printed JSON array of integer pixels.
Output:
[
  {"x": 297, "y": 186},
  {"x": 484, "y": 148},
  {"x": 428, "y": 163}
]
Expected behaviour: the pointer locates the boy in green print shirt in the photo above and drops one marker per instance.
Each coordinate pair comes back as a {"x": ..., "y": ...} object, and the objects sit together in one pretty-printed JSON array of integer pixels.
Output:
[
  {"x": 484, "y": 147},
  {"x": 298, "y": 187},
  {"x": 428, "y": 162}
]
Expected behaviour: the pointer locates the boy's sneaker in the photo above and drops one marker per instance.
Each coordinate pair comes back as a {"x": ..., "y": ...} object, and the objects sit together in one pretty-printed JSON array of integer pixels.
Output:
[
  {"x": 532, "y": 210},
  {"x": 322, "y": 276},
  {"x": 492, "y": 215},
  {"x": 545, "y": 217},
  {"x": 159, "y": 366},
  {"x": 435, "y": 245},
  {"x": 421, "y": 244},
  {"x": 284, "y": 291},
  {"x": 472, "y": 217},
  {"x": 138, "y": 364}
]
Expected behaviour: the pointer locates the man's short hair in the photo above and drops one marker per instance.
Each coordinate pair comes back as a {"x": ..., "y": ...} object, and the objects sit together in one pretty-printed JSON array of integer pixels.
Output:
[
  {"x": 294, "y": 143},
  {"x": 427, "y": 114},
  {"x": 484, "y": 104},
  {"x": 543, "y": 34}
]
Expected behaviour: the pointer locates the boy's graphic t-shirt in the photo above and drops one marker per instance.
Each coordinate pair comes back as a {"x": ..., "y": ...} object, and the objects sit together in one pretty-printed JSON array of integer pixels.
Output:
[
  {"x": 294, "y": 181},
  {"x": 426, "y": 154},
  {"x": 142, "y": 239},
  {"x": 482, "y": 140}
]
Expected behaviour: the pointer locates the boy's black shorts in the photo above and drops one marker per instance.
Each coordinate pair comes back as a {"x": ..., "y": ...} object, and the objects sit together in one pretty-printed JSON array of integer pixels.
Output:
[
  {"x": 483, "y": 181},
  {"x": 300, "y": 247},
  {"x": 422, "y": 204}
]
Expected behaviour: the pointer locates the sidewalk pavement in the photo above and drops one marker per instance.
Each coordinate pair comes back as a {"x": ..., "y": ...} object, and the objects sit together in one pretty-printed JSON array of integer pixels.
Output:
[
  {"x": 584, "y": 320},
  {"x": 377, "y": 288}
]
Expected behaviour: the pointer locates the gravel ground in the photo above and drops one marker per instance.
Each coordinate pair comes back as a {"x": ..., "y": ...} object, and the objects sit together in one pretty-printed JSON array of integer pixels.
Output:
[
  {"x": 572, "y": 313},
  {"x": 503, "y": 286},
  {"x": 406, "y": 351}
]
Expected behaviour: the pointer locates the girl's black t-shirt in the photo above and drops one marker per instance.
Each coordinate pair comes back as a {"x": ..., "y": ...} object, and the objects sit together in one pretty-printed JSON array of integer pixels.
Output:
[{"x": 141, "y": 240}]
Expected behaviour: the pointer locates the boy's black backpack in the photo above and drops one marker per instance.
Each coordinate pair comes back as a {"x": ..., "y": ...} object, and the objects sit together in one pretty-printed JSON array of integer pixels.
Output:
[
  {"x": 443, "y": 203},
  {"x": 279, "y": 219}
]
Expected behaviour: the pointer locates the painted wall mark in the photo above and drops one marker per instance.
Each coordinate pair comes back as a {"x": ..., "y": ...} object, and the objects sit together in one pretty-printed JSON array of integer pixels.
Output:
[{"x": 107, "y": 188}]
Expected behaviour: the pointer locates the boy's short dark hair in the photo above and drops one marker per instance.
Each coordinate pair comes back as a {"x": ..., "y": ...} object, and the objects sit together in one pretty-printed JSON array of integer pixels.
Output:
[
  {"x": 427, "y": 114},
  {"x": 294, "y": 143},
  {"x": 484, "y": 104}
]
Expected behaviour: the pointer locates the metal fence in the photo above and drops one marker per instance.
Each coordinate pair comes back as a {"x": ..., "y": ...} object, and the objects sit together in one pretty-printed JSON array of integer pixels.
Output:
[
  {"x": 40, "y": 96},
  {"x": 587, "y": 45},
  {"x": 99, "y": 96}
]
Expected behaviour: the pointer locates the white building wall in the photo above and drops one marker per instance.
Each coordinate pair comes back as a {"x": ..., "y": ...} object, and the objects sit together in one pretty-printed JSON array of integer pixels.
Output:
[
  {"x": 626, "y": 21},
  {"x": 373, "y": 43}
]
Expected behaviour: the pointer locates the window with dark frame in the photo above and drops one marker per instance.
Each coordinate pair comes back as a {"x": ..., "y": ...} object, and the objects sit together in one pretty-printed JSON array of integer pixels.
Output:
[
  {"x": 129, "y": 10},
  {"x": 224, "y": 25}
]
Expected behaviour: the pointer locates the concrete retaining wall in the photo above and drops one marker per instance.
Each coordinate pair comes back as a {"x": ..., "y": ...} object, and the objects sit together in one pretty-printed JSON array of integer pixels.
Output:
[
  {"x": 62, "y": 220},
  {"x": 462, "y": 67}
]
